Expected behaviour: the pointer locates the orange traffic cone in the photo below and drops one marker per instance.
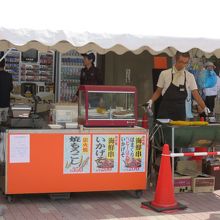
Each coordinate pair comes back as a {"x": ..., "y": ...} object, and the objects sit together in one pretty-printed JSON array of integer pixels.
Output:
[{"x": 164, "y": 198}]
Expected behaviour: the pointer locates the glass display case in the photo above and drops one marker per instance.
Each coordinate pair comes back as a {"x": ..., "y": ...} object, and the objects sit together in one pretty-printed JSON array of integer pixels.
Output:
[{"x": 107, "y": 105}]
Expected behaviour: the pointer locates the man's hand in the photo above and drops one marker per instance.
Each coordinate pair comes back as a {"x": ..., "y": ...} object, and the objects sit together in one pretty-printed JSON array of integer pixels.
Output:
[
  {"x": 206, "y": 111},
  {"x": 149, "y": 104}
]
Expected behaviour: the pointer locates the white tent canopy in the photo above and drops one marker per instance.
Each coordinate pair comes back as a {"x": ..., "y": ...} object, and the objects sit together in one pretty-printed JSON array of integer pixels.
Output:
[
  {"x": 118, "y": 26},
  {"x": 44, "y": 40}
]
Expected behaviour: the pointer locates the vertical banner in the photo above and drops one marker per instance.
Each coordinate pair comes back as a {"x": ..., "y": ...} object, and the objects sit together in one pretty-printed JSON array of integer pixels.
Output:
[
  {"x": 76, "y": 154},
  {"x": 132, "y": 153},
  {"x": 105, "y": 153}
]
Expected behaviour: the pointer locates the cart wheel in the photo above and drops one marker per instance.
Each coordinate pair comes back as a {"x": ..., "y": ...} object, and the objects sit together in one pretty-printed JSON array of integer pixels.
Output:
[
  {"x": 10, "y": 198},
  {"x": 138, "y": 193}
]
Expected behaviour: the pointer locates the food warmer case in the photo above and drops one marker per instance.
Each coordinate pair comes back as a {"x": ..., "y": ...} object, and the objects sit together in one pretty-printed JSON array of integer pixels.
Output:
[{"x": 107, "y": 106}]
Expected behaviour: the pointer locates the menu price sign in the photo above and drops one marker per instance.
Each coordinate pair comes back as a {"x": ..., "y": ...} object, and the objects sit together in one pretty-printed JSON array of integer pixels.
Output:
[
  {"x": 19, "y": 148},
  {"x": 132, "y": 153},
  {"x": 76, "y": 154},
  {"x": 105, "y": 154}
]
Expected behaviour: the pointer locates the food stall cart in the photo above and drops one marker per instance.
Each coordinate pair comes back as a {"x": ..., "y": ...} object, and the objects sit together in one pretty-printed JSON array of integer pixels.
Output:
[
  {"x": 62, "y": 41},
  {"x": 82, "y": 158}
]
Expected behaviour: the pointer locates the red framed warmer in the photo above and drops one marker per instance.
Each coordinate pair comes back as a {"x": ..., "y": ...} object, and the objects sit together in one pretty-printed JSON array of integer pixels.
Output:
[{"x": 107, "y": 105}]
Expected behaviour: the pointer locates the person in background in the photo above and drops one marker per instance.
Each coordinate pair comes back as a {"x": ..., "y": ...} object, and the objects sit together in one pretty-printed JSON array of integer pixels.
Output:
[
  {"x": 211, "y": 93},
  {"x": 173, "y": 85},
  {"x": 90, "y": 75},
  {"x": 6, "y": 86}
]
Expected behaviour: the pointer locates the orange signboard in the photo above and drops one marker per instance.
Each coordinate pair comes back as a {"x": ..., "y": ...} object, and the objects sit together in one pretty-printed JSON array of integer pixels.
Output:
[{"x": 160, "y": 62}]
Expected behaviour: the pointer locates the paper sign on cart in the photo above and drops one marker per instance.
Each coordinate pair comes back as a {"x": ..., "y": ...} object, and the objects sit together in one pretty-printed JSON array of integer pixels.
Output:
[
  {"x": 132, "y": 153},
  {"x": 19, "y": 148},
  {"x": 76, "y": 154},
  {"x": 105, "y": 153}
]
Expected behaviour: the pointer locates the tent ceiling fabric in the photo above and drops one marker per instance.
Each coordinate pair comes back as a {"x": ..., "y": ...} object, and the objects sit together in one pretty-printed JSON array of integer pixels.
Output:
[
  {"x": 120, "y": 26},
  {"x": 63, "y": 41}
]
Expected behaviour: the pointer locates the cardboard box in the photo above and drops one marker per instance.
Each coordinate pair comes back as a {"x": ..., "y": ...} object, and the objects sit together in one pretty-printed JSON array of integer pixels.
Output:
[
  {"x": 213, "y": 168},
  {"x": 203, "y": 183},
  {"x": 182, "y": 183},
  {"x": 189, "y": 167}
]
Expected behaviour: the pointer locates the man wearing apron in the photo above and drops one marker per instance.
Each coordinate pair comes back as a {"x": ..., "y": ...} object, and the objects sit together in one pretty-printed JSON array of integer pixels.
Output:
[{"x": 173, "y": 85}]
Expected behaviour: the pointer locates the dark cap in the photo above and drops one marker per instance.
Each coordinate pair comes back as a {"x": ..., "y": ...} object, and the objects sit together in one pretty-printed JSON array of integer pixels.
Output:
[{"x": 90, "y": 56}]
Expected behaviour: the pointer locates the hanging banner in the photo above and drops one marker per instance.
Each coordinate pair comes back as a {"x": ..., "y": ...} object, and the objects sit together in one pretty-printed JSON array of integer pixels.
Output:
[
  {"x": 105, "y": 154},
  {"x": 76, "y": 154},
  {"x": 132, "y": 153}
]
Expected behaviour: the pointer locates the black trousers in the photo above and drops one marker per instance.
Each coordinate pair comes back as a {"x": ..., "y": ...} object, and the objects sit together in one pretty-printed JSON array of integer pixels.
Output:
[{"x": 210, "y": 102}]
